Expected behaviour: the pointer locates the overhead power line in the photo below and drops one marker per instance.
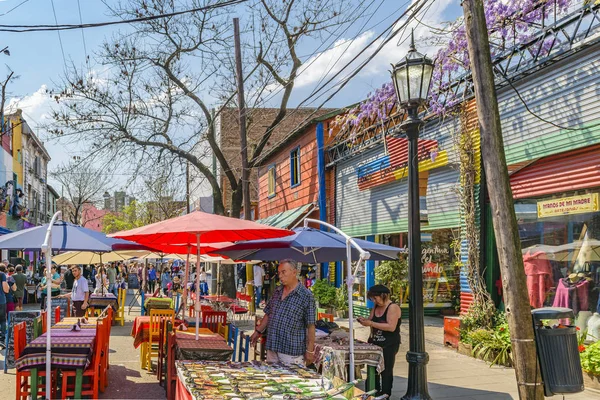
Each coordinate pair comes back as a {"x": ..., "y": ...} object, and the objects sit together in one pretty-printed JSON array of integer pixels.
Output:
[{"x": 63, "y": 27}]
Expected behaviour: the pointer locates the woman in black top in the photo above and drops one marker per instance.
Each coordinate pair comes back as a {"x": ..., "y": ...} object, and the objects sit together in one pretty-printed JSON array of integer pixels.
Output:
[{"x": 384, "y": 322}]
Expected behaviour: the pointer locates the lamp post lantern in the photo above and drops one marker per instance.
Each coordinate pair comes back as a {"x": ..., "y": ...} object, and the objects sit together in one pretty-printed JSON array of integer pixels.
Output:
[{"x": 411, "y": 77}]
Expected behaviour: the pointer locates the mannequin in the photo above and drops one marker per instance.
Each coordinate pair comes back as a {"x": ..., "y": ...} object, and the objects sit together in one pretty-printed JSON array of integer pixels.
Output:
[{"x": 593, "y": 328}]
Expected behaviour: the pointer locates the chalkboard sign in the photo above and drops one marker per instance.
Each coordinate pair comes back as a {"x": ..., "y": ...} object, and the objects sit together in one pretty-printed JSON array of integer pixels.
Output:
[
  {"x": 65, "y": 307},
  {"x": 15, "y": 317},
  {"x": 133, "y": 281}
]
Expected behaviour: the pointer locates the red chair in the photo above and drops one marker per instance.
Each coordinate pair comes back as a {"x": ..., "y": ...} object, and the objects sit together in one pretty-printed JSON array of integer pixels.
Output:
[
  {"x": 92, "y": 371},
  {"x": 104, "y": 361},
  {"x": 325, "y": 316},
  {"x": 44, "y": 321},
  {"x": 57, "y": 315},
  {"x": 236, "y": 308},
  {"x": 23, "y": 385},
  {"x": 171, "y": 371},
  {"x": 211, "y": 319}
]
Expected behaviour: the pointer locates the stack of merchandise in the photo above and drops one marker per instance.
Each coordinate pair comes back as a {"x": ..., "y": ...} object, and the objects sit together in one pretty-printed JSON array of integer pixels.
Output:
[{"x": 254, "y": 380}]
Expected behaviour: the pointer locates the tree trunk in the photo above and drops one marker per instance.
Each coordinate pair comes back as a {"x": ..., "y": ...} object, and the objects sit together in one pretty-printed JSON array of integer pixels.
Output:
[
  {"x": 518, "y": 311},
  {"x": 228, "y": 280},
  {"x": 237, "y": 196}
]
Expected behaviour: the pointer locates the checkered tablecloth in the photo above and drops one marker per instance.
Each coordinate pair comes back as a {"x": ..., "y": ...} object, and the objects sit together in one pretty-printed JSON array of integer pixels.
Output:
[
  {"x": 70, "y": 350},
  {"x": 208, "y": 347}
]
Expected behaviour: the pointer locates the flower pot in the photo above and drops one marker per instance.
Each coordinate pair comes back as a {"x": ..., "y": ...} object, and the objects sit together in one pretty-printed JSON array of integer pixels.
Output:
[{"x": 591, "y": 381}]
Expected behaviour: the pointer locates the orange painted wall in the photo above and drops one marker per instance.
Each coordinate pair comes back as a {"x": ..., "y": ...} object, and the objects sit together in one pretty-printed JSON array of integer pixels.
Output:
[{"x": 286, "y": 197}]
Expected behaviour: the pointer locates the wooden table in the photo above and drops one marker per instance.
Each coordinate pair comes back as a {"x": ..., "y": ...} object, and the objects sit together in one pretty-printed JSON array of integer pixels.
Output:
[
  {"x": 334, "y": 357},
  {"x": 69, "y": 349},
  {"x": 209, "y": 346}
]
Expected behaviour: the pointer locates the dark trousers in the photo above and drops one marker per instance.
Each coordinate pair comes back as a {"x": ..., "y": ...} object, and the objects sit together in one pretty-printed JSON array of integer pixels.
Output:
[
  {"x": 77, "y": 311},
  {"x": 151, "y": 285},
  {"x": 384, "y": 381},
  {"x": 2, "y": 321}
]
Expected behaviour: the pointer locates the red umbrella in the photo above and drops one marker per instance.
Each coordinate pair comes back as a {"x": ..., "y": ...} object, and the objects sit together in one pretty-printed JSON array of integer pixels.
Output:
[
  {"x": 212, "y": 229},
  {"x": 196, "y": 227}
]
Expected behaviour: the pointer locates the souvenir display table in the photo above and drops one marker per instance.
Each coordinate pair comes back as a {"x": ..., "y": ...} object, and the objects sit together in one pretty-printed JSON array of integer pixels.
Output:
[
  {"x": 101, "y": 301},
  {"x": 209, "y": 346},
  {"x": 70, "y": 350},
  {"x": 333, "y": 354},
  {"x": 250, "y": 380}
]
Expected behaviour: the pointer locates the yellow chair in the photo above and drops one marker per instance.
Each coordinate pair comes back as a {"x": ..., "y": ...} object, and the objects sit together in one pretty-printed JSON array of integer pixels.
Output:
[
  {"x": 144, "y": 355},
  {"x": 154, "y": 333},
  {"x": 120, "y": 315},
  {"x": 223, "y": 330}
]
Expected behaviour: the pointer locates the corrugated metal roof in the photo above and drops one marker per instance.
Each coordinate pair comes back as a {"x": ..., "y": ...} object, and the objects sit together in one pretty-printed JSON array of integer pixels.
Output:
[
  {"x": 287, "y": 218},
  {"x": 573, "y": 170}
]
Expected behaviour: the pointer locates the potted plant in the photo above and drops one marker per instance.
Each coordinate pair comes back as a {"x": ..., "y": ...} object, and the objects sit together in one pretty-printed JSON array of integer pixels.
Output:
[
  {"x": 341, "y": 301},
  {"x": 590, "y": 363},
  {"x": 324, "y": 294},
  {"x": 393, "y": 274}
]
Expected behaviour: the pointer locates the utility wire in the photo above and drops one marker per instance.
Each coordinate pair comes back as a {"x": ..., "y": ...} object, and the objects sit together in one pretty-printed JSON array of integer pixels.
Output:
[
  {"x": 62, "y": 27},
  {"x": 87, "y": 60},
  {"x": 62, "y": 50},
  {"x": 14, "y": 8}
]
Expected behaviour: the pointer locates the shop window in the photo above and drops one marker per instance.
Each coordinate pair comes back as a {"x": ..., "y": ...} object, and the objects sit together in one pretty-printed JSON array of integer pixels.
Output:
[
  {"x": 272, "y": 182},
  {"x": 295, "y": 167},
  {"x": 561, "y": 251}
]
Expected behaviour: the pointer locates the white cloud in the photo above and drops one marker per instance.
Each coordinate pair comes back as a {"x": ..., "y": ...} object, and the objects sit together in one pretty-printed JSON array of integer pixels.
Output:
[{"x": 345, "y": 49}]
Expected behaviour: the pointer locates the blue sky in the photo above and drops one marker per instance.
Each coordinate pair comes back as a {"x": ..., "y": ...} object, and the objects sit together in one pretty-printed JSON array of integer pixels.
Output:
[{"x": 37, "y": 57}]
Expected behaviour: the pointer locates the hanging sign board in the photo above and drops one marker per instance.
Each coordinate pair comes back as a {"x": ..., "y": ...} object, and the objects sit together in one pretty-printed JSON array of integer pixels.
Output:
[
  {"x": 133, "y": 281},
  {"x": 568, "y": 205}
]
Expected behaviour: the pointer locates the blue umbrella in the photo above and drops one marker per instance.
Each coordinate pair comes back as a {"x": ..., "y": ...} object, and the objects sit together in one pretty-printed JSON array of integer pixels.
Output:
[
  {"x": 66, "y": 237},
  {"x": 306, "y": 245}
]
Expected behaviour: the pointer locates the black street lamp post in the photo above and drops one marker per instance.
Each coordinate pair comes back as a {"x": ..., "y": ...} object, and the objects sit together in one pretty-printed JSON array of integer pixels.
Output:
[{"x": 411, "y": 77}]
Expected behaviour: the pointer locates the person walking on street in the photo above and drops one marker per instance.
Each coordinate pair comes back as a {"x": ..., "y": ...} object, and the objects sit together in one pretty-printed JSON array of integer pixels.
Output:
[
  {"x": 203, "y": 284},
  {"x": 55, "y": 284},
  {"x": 10, "y": 296},
  {"x": 165, "y": 279},
  {"x": 69, "y": 279},
  {"x": 384, "y": 322},
  {"x": 259, "y": 274},
  {"x": 152, "y": 278},
  {"x": 111, "y": 274},
  {"x": 80, "y": 293},
  {"x": 21, "y": 281},
  {"x": 290, "y": 320},
  {"x": 4, "y": 289}
]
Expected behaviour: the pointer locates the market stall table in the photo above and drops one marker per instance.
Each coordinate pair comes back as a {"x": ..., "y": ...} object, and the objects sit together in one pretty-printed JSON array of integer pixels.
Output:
[
  {"x": 247, "y": 380},
  {"x": 70, "y": 350},
  {"x": 209, "y": 346},
  {"x": 101, "y": 301},
  {"x": 334, "y": 356}
]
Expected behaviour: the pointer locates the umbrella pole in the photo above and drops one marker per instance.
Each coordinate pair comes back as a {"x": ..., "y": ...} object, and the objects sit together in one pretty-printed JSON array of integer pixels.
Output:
[
  {"x": 47, "y": 249},
  {"x": 219, "y": 278},
  {"x": 197, "y": 305},
  {"x": 349, "y": 282},
  {"x": 185, "y": 281}
]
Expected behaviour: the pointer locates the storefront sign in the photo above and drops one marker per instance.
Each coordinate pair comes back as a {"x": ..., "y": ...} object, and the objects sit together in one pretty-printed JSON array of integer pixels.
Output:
[
  {"x": 568, "y": 205},
  {"x": 394, "y": 165}
]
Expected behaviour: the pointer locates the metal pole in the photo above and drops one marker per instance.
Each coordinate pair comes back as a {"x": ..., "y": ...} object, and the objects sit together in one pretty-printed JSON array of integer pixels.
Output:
[
  {"x": 197, "y": 305},
  {"x": 187, "y": 186},
  {"x": 185, "y": 281},
  {"x": 47, "y": 249},
  {"x": 416, "y": 356},
  {"x": 242, "y": 119},
  {"x": 350, "y": 283},
  {"x": 364, "y": 255}
]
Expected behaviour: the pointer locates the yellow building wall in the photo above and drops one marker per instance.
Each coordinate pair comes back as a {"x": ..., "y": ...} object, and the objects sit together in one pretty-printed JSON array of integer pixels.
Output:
[{"x": 17, "y": 146}]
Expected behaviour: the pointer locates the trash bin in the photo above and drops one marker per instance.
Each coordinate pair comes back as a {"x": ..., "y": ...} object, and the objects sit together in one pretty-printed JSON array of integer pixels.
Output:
[{"x": 558, "y": 353}]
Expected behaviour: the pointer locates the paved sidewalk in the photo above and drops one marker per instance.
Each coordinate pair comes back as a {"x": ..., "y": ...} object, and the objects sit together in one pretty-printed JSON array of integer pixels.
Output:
[{"x": 454, "y": 376}]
